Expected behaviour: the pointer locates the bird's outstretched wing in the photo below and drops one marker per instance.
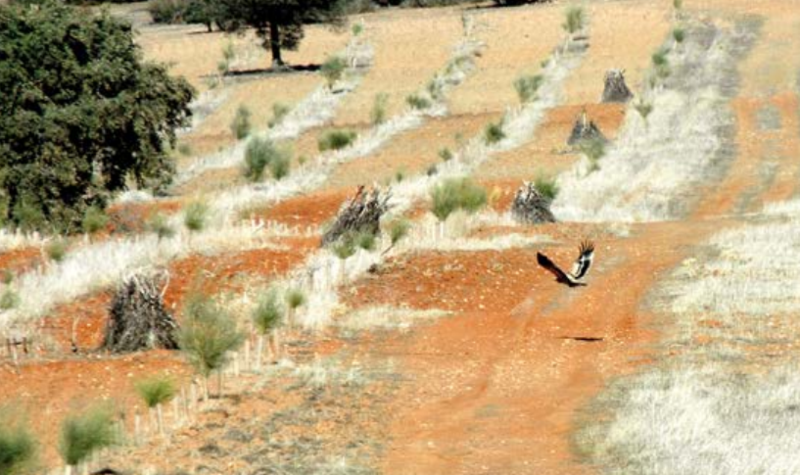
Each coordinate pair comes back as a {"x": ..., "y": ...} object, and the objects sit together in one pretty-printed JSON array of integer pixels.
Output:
[
  {"x": 584, "y": 260},
  {"x": 545, "y": 262}
]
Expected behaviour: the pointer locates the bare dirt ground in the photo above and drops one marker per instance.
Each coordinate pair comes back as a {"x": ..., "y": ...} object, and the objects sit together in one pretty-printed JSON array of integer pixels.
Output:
[{"x": 498, "y": 384}]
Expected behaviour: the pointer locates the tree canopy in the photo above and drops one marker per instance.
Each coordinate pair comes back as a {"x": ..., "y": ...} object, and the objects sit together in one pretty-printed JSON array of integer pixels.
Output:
[
  {"x": 81, "y": 114},
  {"x": 279, "y": 23}
]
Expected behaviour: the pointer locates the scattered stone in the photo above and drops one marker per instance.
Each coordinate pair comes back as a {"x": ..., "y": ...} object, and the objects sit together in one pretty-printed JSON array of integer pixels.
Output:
[{"x": 615, "y": 89}]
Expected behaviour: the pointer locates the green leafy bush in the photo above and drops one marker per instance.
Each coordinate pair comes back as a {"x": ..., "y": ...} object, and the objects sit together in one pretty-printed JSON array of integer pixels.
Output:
[
  {"x": 574, "y": 20},
  {"x": 83, "y": 434},
  {"x": 445, "y": 154},
  {"x": 94, "y": 220},
  {"x": 398, "y": 229},
  {"x": 643, "y": 108},
  {"x": 547, "y": 187},
  {"x": 159, "y": 225},
  {"x": 418, "y": 102},
  {"x": 494, "y": 133},
  {"x": 378, "y": 112},
  {"x": 295, "y": 298},
  {"x": 156, "y": 390},
  {"x": 258, "y": 154},
  {"x": 336, "y": 140},
  {"x": 207, "y": 335},
  {"x": 17, "y": 445},
  {"x": 81, "y": 114},
  {"x": 679, "y": 34},
  {"x": 526, "y": 87},
  {"x": 195, "y": 215},
  {"x": 455, "y": 194},
  {"x": 268, "y": 314},
  {"x": 167, "y": 11},
  {"x": 333, "y": 70},
  {"x": 241, "y": 122},
  {"x": 279, "y": 112},
  {"x": 9, "y": 299},
  {"x": 56, "y": 250}
]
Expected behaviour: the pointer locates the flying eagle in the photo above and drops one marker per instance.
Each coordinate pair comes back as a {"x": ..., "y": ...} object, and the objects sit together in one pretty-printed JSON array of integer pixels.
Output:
[{"x": 579, "y": 268}]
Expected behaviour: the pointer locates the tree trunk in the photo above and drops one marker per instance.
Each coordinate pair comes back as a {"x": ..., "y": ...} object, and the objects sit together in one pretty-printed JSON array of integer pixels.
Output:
[{"x": 275, "y": 45}]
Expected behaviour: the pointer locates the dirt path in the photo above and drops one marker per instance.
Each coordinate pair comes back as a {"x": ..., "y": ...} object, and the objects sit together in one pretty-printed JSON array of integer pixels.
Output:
[{"x": 496, "y": 390}]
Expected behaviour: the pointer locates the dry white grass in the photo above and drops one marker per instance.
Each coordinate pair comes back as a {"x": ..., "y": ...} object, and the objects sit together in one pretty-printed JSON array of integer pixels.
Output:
[
  {"x": 104, "y": 264},
  {"x": 316, "y": 109},
  {"x": 519, "y": 125},
  {"x": 10, "y": 240},
  {"x": 428, "y": 233},
  {"x": 652, "y": 170},
  {"x": 700, "y": 411},
  {"x": 203, "y": 106}
]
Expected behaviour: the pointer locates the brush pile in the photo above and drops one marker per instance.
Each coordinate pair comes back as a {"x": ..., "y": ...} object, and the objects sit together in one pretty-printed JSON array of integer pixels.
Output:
[
  {"x": 585, "y": 131},
  {"x": 615, "y": 89},
  {"x": 138, "y": 319},
  {"x": 362, "y": 213},
  {"x": 530, "y": 206}
]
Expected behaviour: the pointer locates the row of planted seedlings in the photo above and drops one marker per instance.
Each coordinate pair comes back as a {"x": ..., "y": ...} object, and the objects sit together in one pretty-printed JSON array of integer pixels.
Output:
[
  {"x": 684, "y": 110},
  {"x": 317, "y": 276},
  {"x": 221, "y": 227}
]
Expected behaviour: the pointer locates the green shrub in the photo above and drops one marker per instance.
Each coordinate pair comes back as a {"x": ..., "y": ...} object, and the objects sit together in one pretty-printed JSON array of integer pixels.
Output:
[
  {"x": 194, "y": 218},
  {"x": 17, "y": 446},
  {"x": 445, "y": 154},
  {"x": 661, "y": 63},
  {"x": 56, "y": 250},
  {"x": 455, "y": 194},
  {"x": 156, "y": 390},
  {"x": 398, "y": 229},
  {"x": 418, "y": 102},
  {"x": 279, "y": 112},
  {"x": 159, "y": 225},
  {"x": 268, "y": 314},
  {"x": 357, "y": 29},
  {"x": 399, "y": 175},
  {"x": 436, "y": 89},
  {"x": 280, "y": 166},
  {"x": 295, "y": 298},
  {"x": 94, "y": 220},
  {"x": 258, "y": 154},
  {"x": 166, "y": 11},
  {"x": 336, "y": 140},
  {"x": 344, "y": 247},
  {"x": 378, "y": 113},
  {"x": 7, "y": 276},
  {"x": 9, "y": 299},
  {"x": 207, "y": 335},
  {"x": 574, "y": 20},
  {"x": 83, "y": 434},
  {"x": 494, "y": 133},
  {"x": 679, "y": 34},
  {"x": 526, "y": 87},
  {"x": 241, "y": 122},
  {"x": 677, "y": 4},
  {"x": 76, "y": 92},
  {"x": 333, "y": 70},
  {"x": 547, "y": 187},
  {"x": 365, "y": 240},
  {"x": 643, "y": 108}
]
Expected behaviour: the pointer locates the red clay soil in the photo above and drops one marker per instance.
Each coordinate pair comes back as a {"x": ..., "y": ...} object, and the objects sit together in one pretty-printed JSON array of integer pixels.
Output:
[
  {"x": 495, "y": 387},
  {"x": 48, "y": 391},
  {"x": 133, "y": 217},
  {"x": 231, "y": 271},
  {"x": 20, "y": 260},
  {"x": 307, "y": 210}
]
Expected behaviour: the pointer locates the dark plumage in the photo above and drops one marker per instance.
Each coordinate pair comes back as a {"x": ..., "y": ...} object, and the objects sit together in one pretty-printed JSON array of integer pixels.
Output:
[{"x": 579, "y": 269}]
